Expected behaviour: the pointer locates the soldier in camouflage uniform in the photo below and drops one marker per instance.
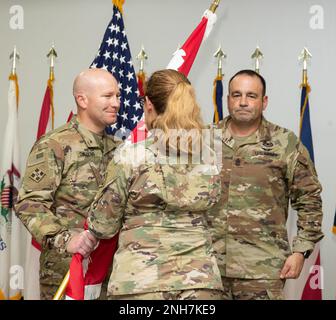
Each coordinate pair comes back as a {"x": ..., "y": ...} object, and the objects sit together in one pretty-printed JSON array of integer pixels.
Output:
[
  {"x": 64, "y": 170},
  {"x": 165, "y": 249},
  {"x": 264, "y": 167}
]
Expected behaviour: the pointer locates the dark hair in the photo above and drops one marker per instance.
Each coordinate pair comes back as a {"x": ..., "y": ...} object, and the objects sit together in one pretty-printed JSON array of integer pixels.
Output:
[{"x": 251, "y": 73}]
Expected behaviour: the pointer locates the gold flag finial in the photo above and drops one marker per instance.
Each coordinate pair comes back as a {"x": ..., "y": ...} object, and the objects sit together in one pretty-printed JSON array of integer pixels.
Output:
[
  {"x": 214, "y": 5},
  {"x": 257, "y": 55},
  {"x": 305, "y": 56},
  {"x": 15, "y": 56},
  {"x": 142, "y": 56},
  {"x": 119, "y": 4},
  {"x": 220, "y": 55},
  {"x": 52, "y": 54}
]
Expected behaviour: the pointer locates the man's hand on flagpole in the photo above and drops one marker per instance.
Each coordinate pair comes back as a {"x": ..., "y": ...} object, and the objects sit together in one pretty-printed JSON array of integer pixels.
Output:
[{"x": 83, "y": 243}]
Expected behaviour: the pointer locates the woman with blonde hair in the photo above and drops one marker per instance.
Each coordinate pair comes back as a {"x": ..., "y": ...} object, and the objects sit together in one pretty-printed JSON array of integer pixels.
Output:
[{"x": 157, "y": 197}]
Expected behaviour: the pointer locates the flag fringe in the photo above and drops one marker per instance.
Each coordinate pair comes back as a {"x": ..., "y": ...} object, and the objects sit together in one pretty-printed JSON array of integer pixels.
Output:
[
  {"x": 141, "y": 81},
  {"x": 119, "y": 4},
  {"x": 334, "y": 229},
  {"x": 303, "y": 109},
  {"x": 216, "y": 115},
  {"x": 52, "y": 111},
  {"x": 13, "y": 77}
]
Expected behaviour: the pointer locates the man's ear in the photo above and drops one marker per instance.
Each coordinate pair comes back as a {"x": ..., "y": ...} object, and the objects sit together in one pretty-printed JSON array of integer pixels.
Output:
[
  {"x": 265, "y": 102},
  {"x": 81, "y": 100}
]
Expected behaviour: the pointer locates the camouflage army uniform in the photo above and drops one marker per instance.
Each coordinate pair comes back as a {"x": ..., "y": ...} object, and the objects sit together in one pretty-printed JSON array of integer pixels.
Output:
[
  {"x": 64, "y": 170},
  {"x": 259, "y": 178},
  {"x": 164, "y": 244}
]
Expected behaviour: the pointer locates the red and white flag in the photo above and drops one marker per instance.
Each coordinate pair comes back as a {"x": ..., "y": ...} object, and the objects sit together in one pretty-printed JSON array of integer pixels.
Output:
[
  {"x": 46, "y": 121},
  {"x": 87, "y": 275},
  {"x": 33, "y": 249},
  {"x": 185, "y": 56},
  {"x": 11, "y": 231}
]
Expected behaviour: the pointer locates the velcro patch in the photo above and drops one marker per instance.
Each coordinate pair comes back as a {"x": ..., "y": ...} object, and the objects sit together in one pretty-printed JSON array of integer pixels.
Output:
[
  {"x": 37, "y": 175},
  {"x": 37, "y": 158}
]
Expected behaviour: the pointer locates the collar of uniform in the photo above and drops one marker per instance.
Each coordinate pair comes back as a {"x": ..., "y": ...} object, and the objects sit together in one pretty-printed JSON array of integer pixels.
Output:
[
  {"x": 262, "y": 134},
  {"x": 110, "y": 143},
  {"x": 227, "y": 137},
  {"x": 150, "y": 144},
  {"x": 85, "y": 133}
]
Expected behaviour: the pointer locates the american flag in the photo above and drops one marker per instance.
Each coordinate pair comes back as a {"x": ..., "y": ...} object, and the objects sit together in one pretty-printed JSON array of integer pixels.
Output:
[{"x": 114, "y": 55}]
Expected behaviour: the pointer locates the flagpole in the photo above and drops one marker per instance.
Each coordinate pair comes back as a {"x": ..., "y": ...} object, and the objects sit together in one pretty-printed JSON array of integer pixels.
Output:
[
  {"x": 257, "y": 55},
  {"x": 220, "y": 55},
  {"x": 52, "y": 54},
  {"x": 14, "y": 55},
  {"x": 214, "y": 6},
  {"x": 305, "y": 56},
  {"x": 142, "y": 56},
  {"x": 61, "y": 289}
]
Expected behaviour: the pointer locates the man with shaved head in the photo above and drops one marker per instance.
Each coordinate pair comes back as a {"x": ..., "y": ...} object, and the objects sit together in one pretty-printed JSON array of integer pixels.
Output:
[{"x": 64, "y": 170}]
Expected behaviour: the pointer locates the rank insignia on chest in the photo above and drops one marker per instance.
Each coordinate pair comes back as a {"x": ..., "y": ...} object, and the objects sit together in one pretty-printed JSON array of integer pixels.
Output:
[
  {"x": 37, "y": 175},
  {"x": 267, "y": 145}
]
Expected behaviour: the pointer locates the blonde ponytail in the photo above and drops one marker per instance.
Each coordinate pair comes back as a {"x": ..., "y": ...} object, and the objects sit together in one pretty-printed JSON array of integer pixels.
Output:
[{"x": 175, "y": 102}]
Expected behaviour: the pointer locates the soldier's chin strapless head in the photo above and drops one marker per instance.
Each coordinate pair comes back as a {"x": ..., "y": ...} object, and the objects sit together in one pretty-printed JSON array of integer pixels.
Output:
[{"x": 97, "y": 97}]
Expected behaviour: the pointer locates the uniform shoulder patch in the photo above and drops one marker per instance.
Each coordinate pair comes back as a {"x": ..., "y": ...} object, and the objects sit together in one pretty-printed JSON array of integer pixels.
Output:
[
  {"x": 36, "y": 158},
  {"x": 37, "y": 175}
]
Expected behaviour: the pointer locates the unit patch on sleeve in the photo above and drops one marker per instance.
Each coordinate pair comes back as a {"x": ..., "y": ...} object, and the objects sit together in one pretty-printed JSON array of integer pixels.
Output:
[{"x": 37, "y": 175}]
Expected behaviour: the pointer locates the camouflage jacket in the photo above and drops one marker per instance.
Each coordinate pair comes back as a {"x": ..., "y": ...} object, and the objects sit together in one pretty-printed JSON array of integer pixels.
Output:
[
  {"x": 64, "y": 170},
  {"x": 160, "y": 211},
  {"x": 260, "y": 178}
]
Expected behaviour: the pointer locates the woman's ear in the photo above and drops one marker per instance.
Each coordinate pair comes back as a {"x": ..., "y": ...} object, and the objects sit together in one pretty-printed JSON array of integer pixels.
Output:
[{"x": 148, "y": 104}]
